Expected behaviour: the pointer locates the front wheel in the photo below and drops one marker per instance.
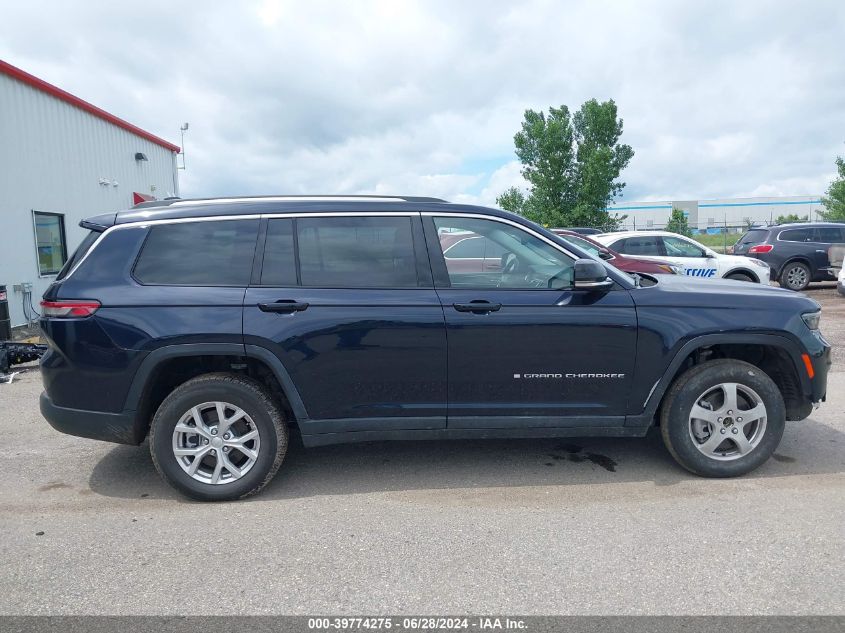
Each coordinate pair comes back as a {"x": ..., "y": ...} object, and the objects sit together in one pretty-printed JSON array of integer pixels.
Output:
[
  {"x": 722, "y": 418},
  {"x": 218, "y": 437},
  {"x": 739, "y": 277}
]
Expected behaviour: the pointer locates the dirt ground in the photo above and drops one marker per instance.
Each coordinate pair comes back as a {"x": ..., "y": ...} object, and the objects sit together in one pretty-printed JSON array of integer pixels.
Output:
[{"x": 833, "y": 319}]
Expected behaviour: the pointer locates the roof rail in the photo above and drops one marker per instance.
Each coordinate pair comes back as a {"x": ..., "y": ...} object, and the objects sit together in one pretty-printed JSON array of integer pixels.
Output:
[{"x": 282, "y": 198}]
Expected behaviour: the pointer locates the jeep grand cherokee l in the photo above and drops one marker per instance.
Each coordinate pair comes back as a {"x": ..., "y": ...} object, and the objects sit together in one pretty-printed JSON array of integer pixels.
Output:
[{"x": 212, "y": 326}]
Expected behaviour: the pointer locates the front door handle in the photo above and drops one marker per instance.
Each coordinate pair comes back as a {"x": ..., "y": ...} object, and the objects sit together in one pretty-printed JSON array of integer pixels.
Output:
[
  {"x": 283, "y": 306},
  {"x": 478, "y": 306}
]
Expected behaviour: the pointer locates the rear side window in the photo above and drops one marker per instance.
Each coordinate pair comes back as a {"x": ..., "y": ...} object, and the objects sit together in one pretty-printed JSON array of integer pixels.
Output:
[
  {"x": 353, "y": 252},
  {"x": 211, "y": 253},
  {"x": 640, "y": 245},
  {"x": 795, "y": 235},
  {"x": 279, "y": 267},
  {"x": 754, "y": 236}
]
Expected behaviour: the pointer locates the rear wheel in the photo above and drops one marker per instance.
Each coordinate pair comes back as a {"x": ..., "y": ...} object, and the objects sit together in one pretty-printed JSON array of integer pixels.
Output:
[
  {"x": 722, "y": 418},
  {"x": 218, "y": 437},
  {"x": 795, "y": 276}
]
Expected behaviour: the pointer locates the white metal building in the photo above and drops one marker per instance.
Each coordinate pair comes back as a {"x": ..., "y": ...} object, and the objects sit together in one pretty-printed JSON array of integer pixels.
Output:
[
  {"x": 62, "y": 160},
  {"x": 734, "y": 213}
]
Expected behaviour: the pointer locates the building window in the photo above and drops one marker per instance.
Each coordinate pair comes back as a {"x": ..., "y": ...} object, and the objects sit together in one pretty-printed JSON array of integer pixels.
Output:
[
  {"x": 50, "y": 244},
  {"x": 649, "y": 224}
]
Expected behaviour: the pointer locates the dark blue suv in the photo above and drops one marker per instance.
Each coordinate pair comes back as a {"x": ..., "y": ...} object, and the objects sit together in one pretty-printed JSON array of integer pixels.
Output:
[{"x": 213, "y": 326}]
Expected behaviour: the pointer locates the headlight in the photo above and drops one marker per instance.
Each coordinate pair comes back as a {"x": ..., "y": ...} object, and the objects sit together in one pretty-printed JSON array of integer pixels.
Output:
[
  {"x": 671, "y": 268},
  {"x": 758, "y": 262},
  {"x": 812, "y": 319}
]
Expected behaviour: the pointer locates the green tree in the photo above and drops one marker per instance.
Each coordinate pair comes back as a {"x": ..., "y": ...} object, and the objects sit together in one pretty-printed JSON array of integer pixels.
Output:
[
  {"x": 513, "y": 200},
  {"x": 678, "y": 223},
  {"x": 834, "y": 201},
  {"x": 790, "y": 218},
  {"x": 572, "y": 165}
]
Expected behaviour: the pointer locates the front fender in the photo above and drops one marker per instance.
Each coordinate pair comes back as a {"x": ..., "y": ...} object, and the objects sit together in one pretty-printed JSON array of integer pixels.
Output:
[{"x": 648, "y": 408}]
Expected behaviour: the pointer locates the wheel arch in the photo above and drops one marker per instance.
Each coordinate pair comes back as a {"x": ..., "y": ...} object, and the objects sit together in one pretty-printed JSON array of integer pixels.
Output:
[
  {"x": 796, "y": 258},
  {"x": 778, "y": 356},
  {"x": 743, "y": 271},
  {"x": 167, "y": 367}
]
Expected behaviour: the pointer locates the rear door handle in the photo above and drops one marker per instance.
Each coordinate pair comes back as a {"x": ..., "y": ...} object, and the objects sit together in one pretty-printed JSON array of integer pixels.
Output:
[
  {"x": 283, "y": 306},
  {"x": 478, "y": 306}
]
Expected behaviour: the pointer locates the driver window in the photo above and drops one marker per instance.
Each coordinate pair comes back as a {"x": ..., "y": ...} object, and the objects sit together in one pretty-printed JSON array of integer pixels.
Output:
[
  {"x": 676, "y": 247},
  {"x": 489, "y": 254}
]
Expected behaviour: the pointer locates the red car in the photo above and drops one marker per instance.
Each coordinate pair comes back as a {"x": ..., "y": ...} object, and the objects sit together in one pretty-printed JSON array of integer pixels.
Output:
[{"x": 628, "y": 264}]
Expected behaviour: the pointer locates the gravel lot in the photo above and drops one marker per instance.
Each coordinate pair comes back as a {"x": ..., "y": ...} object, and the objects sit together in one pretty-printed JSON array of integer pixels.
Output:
[{"x": 598, "y": 526}]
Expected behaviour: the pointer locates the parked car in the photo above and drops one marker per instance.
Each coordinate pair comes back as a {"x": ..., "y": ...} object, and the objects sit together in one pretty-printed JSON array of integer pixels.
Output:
[
  {"x": 697, "y": 260},
  {"x": 836, "y": 255},
  {"x": 627, "y": 264},
  {"x": 582, "y": 230},
  {"x": 342, "y": 317},
  {"x": 797, "y": 253},
  {"x": 840, "y": 282}
]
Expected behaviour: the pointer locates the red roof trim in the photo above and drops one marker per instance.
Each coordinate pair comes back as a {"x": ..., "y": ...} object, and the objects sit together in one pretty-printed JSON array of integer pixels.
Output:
[{"x": 50, "y": 89}]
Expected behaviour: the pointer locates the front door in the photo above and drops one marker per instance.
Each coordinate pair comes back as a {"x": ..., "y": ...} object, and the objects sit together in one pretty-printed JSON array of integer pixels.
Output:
[
  {"x": 347, "y": 305},
  {"x": 525, "y": 348}
]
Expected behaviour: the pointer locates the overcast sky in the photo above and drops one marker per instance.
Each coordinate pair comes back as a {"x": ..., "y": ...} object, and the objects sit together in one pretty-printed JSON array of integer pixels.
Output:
[{"x": 719, "y": 99}]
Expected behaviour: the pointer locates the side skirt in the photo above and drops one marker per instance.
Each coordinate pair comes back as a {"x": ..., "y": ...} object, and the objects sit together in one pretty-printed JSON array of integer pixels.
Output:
[{"x": 323, "y": 439}]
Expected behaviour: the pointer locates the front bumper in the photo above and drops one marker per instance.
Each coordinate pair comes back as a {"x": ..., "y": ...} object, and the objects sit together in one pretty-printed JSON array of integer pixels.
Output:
[
  {"x": 96, "y": 425},
  {"x": 821, "y": 363}
]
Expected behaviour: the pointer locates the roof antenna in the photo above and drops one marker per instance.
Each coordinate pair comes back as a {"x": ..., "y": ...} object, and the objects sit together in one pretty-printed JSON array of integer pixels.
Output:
[{"x": 183, "y": 129}]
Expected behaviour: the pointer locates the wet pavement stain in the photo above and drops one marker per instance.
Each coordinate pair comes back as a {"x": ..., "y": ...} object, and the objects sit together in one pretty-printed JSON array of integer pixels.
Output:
[
  {"x": 573, "y": 453},
  {"x": 56, "y": 485},
  {"x": 603, "y": 461},
  {"x": 786, "y": 459}
]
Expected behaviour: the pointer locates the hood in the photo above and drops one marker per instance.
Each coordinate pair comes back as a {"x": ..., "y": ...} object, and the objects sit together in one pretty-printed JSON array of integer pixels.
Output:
[
  {"x": 682, "y": 291},
  {"x": 740, "y": 260}
]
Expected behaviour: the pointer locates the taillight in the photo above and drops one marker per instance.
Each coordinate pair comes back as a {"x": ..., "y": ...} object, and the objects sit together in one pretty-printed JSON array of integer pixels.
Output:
[
  {"x": 70, "y": 308},
  {"x": 761, "y": 248}
]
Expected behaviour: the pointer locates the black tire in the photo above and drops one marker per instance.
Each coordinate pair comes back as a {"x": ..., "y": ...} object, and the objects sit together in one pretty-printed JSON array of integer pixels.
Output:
[
  {"x": 682, "y": 395},
  {"x": 739, "y": 277},
  {"x": 255, "y": 400},
  {"x": 795, "y": 276}
]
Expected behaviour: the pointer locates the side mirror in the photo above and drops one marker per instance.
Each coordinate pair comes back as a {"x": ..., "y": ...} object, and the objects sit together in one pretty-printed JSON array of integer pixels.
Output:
[
  {"x": 605, "y": 255},
  {"x": 591, "y": 275}
]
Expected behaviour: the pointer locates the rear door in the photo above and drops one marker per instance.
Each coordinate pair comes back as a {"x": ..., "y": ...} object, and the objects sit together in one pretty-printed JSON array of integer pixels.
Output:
[
  {"x": 691, "y": 256},
  {"x": 346, "y": 303},
  {"x": 525, "y": 349}
]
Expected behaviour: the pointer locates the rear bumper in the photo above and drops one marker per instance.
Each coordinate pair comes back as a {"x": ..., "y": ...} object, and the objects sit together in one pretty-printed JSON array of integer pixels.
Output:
[{"x": 95, "y": 425}]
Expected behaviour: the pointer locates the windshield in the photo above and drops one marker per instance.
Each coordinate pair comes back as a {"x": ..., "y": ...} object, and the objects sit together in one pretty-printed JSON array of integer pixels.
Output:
[{"x": 583, "y": 244}]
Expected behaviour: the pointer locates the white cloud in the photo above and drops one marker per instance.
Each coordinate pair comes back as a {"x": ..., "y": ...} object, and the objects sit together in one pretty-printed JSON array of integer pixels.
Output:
[{"x": 719, "y": 99}]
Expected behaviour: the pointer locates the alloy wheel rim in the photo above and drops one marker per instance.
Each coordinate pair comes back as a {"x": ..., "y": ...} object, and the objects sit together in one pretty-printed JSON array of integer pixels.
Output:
[
  {"x": 796, "y": 277},
  {"x": 216, "y": 443},
  {"x": 727, "y": 421}
]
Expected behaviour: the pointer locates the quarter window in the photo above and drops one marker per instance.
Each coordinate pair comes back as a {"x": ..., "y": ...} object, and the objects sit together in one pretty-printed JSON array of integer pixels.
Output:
[
  {"x": 211, "y": 253},
  {"x": 50, "y": 245},
  {"x": 353, "y": 252},
  {"x": 795, "y": 235},
  {"x": 510, "y": 258}
]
